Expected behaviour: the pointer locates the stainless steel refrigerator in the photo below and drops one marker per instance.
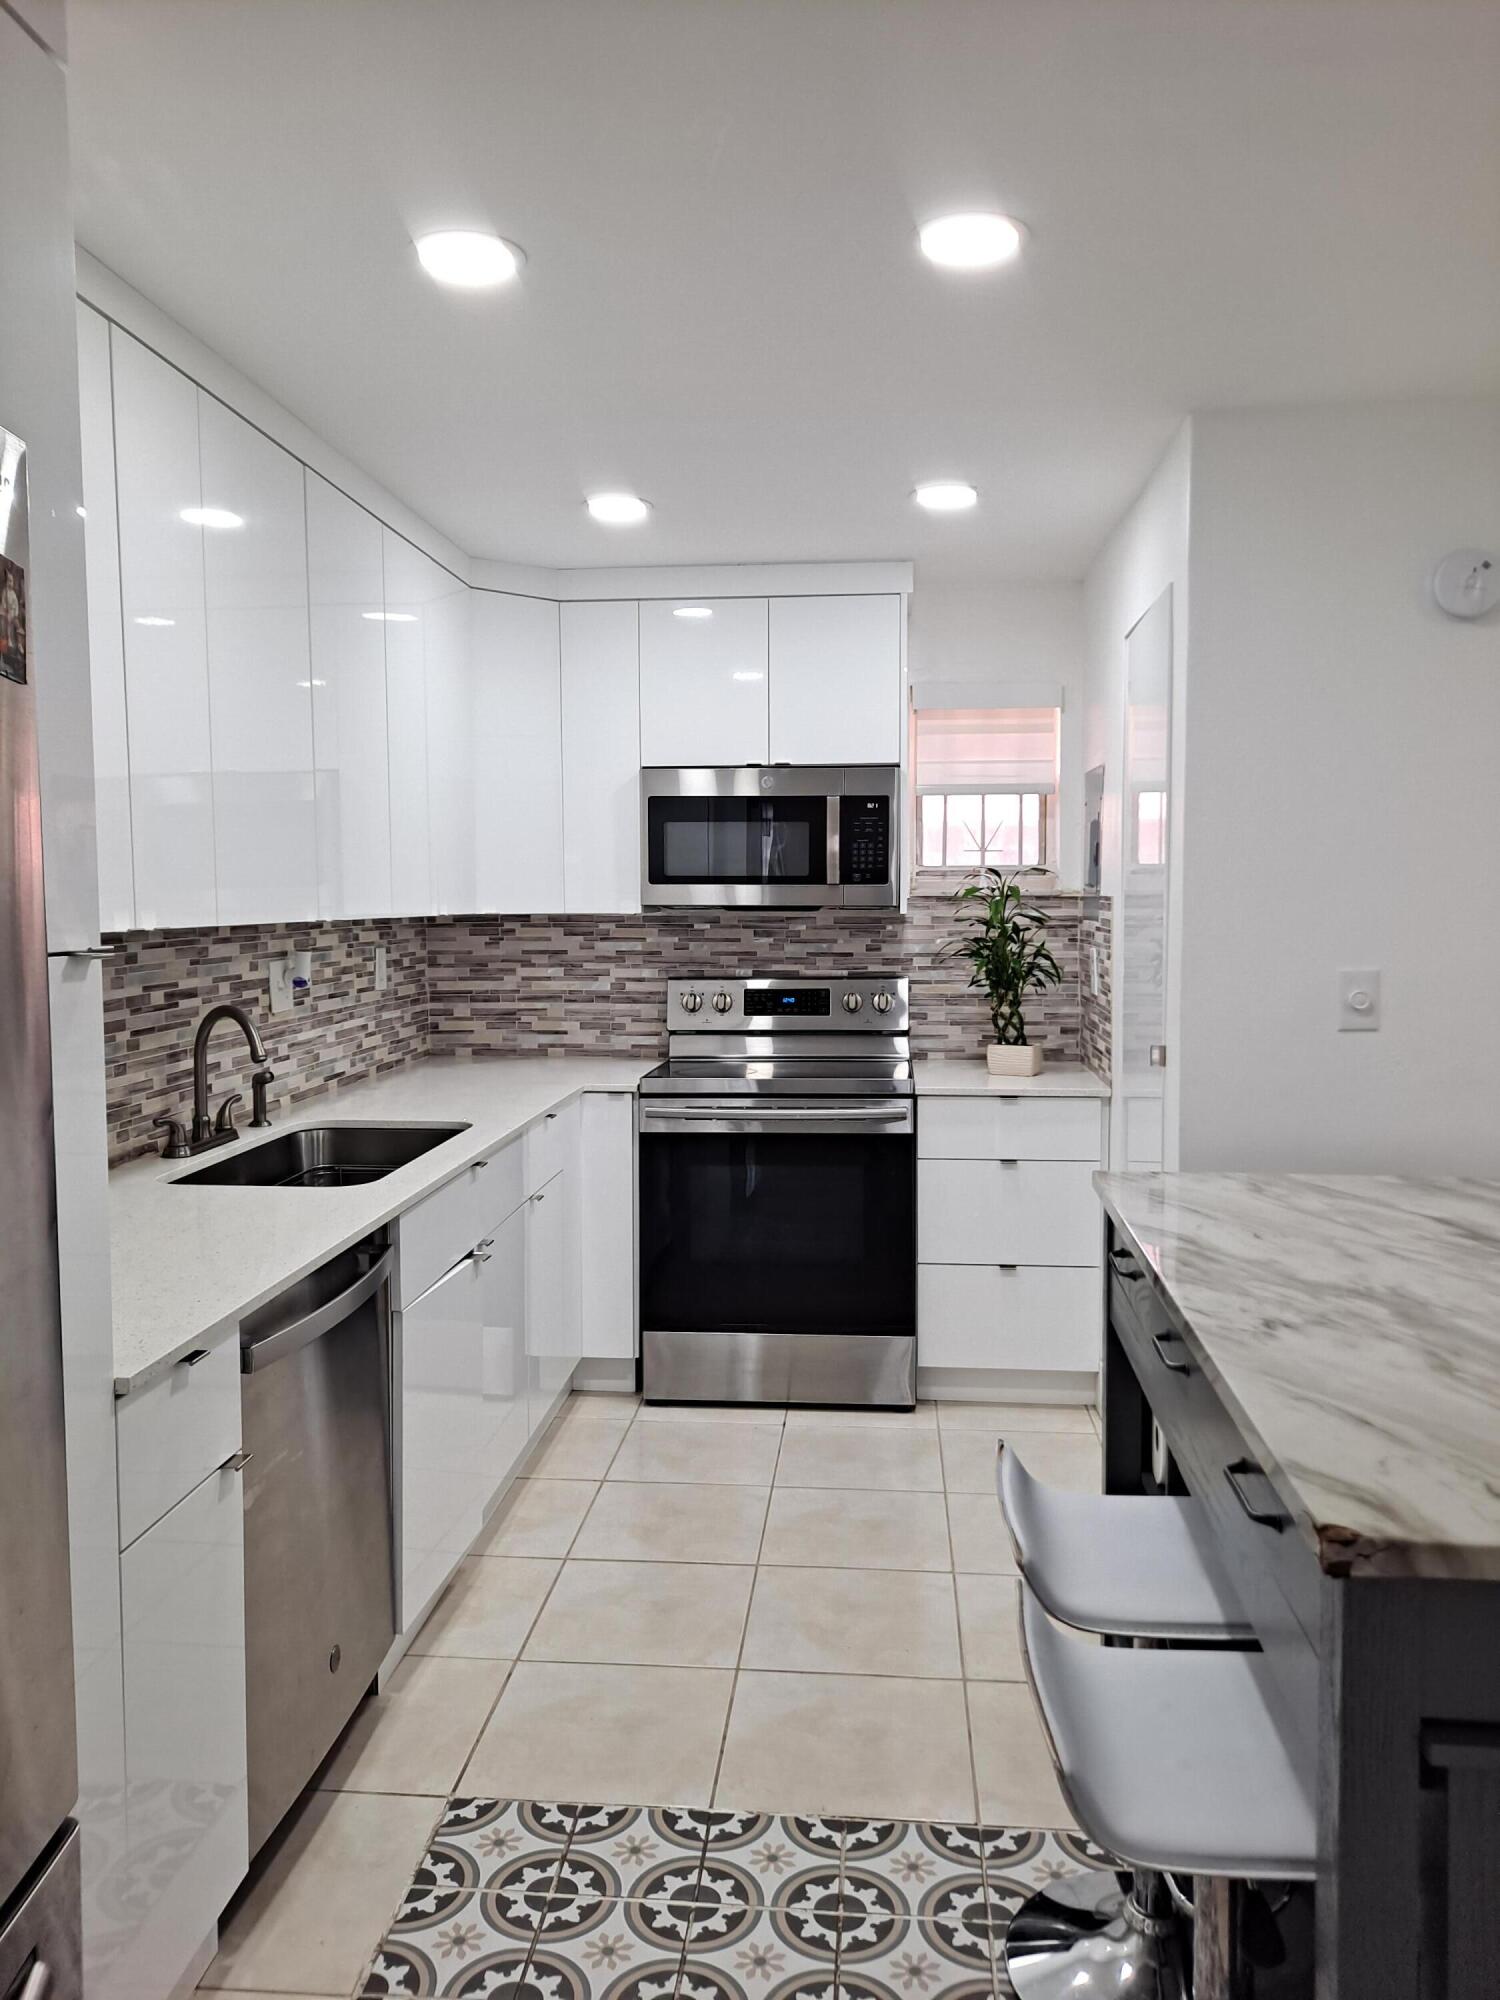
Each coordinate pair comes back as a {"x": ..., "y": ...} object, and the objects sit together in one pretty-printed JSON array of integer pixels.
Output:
[{"x": 39, "y": 1892}]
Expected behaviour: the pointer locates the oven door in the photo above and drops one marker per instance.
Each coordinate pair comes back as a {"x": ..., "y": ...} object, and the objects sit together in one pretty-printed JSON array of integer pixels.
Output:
[
  {"x": 778, "y": 1251},
  {"x": 766, "y": 838}
]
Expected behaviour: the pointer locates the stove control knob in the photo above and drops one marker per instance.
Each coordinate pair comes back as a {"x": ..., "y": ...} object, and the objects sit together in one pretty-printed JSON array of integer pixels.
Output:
[
  {"x": 690, "y": 1002},
  {"x": 722, "y": 1002},
  {"x": 883, "y": 1002},
  {"x": 852, "y": 1003}
]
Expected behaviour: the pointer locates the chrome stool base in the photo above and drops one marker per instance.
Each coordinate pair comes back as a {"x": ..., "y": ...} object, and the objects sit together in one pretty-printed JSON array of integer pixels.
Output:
[{"x": 1086, "y": 1937}]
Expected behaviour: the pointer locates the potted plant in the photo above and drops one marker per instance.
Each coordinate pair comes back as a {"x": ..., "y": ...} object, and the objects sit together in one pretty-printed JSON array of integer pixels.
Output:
[{"x": 1009, "y": 959}]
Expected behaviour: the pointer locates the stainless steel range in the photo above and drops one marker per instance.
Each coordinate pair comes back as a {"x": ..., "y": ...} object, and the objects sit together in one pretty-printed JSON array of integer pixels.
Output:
[{"x": 778, "y": 1195}]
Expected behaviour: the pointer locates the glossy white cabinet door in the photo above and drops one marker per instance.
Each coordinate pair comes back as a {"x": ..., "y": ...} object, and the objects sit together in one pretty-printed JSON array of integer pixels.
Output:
[
  {"x": 551, "y": 1352},
  {"x": 601, "y": 733},
  {"x": 1010, "y": 1128},
  {"x": 1016, "y": 1316},
  {"x": 836, "y": 680},
  {"x": 442, "y": 1341},
  {"x": 260, "y": 683},
  {"x": 1008, "y": 1212},
  {"x": 166, "y": 647},
  {"x": 506, "y": 1422},
  {"x": 410, "y": 587},
  {"x": 704, "y": 682},
  {"x": 346, "y": 625},
  {"x": 182, "y": 1590},
  {"x": 448, "y": 666},
  {"x": 606, "y": 1208},
  {"x": 101, "y": 540},
  {"x": 517, "y": 753}
]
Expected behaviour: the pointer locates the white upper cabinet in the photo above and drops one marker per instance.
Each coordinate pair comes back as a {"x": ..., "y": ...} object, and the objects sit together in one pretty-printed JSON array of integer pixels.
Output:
[
  {"x": 836, "y": 680},
  {"x": 601, "y": 757},
  {"x": 704, "y": 685},
  {"x": 165, "y": 631},
  {"x": 106, "y": 633},
  {"x": 346, "y": 627},
  {"x": 448, "y": 662},
  {"x": 409, "y": 588},
  {"x": 260, "y": 682},
  {"x": 517, "y": 751}
]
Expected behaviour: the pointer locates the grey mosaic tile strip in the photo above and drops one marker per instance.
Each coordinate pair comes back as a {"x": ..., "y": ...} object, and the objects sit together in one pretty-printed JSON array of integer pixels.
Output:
[
  {"x": 1096, "y": 1010},
  {"x": 660, "y": 1903},
  {"x": 341, "y": 1029}
]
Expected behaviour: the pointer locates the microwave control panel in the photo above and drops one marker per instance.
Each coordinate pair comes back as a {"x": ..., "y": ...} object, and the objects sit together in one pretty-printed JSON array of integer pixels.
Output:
[{"x": 864, "y": 838}]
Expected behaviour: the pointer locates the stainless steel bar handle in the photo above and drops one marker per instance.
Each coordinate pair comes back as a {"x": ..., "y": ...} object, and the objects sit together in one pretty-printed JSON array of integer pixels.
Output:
[
  {"x": 800, "y": 1115},
  {"x": 85, "y": 951},
  {"x": 302, "y": 1332},
  {"x": 38, "y": 1982},
  {"x": 1159, "y": 1342},
  {"x": 1245, "y": 1468}
]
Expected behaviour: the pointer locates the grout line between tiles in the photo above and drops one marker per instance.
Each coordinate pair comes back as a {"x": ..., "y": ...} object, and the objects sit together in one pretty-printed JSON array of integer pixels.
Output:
[{"x": 734, "y": 1685}]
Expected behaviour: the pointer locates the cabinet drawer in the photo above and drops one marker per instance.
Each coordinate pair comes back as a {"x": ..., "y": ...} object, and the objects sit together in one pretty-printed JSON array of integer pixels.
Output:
[
  {"x": 1007, "y": 1212},
  {"x": 1024, "y": 1316},
  {"x": 1009, "y": 1128},
  {"x": 172, "y": 1434},
  {"x": 433, "y": 1236},
  {"x": 502, "y": 1186},
  {"x": 551, "y": 1144}
]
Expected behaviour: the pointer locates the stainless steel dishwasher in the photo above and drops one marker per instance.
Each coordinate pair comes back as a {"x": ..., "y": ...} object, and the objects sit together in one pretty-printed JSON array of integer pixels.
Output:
[{"x": 320, "y": 1592}]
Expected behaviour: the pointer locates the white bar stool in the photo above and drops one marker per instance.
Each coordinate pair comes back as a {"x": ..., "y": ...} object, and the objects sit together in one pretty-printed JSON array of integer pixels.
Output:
[{"x": 1141, "y": 1568}]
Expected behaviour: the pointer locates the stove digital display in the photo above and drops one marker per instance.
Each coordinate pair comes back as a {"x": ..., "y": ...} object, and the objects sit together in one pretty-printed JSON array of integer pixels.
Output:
[{"x": 774, "y": 1000}]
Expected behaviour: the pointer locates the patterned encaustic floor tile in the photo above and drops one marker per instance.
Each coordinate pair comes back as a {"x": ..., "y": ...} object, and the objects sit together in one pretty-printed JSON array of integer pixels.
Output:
[{"x": 520, "y": 1900}]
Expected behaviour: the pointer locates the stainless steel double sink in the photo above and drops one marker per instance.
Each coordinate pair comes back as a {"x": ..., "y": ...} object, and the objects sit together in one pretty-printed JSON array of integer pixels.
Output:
[{"x": 322, "y": 1156}]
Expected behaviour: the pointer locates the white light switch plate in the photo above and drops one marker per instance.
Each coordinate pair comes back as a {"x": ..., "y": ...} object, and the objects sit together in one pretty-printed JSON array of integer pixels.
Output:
[
  {"x": 280, "y": 970},
  {"x": 1359, "y": 1002}
]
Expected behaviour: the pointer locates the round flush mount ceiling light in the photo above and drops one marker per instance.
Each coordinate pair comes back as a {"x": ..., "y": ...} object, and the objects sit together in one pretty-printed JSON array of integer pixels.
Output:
[
  {"x": 618, "y": 510},
  {"x": 390, "y": 617},
  {"x": 470, "y": 258},
  {"x": 692, "y": 611},
  {"x": 970, "y": 242},
  {"x": 946, "y": 496},
  {"x": 212, "y": 517}
]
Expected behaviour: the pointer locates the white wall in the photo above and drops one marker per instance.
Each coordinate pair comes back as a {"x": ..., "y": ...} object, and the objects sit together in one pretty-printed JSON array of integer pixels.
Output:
[
  {"x": 1015, "y": 633},
  {"x": 1340, "y": 807},
  {"x": 1146, "y": 554}
]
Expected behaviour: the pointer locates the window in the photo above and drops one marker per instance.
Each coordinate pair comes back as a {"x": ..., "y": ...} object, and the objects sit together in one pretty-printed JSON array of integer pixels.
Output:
[
  {"x": 986, "y": 781},
  {"x": 1150, "y": 849}
]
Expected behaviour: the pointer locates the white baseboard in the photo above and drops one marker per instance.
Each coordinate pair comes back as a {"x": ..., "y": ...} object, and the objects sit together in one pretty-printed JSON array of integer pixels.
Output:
[{"x": 1006, "y": 1385}]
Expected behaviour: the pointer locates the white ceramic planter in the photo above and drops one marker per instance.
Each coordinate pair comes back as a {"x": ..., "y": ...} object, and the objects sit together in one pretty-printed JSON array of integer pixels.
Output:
[{"x": 1003, "y": 1060}]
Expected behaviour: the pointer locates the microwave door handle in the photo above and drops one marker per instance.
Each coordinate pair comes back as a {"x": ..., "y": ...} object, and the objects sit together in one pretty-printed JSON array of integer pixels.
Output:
[{"x": 835, "y": 807}]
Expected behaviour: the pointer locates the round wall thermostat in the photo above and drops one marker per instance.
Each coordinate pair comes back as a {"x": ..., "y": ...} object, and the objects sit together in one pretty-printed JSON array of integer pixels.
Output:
[{"x": 1467, "y": 583}]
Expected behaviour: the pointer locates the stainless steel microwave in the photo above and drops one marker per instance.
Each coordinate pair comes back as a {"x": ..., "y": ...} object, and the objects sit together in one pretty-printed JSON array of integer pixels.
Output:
[{"x": 780, "y": 836}]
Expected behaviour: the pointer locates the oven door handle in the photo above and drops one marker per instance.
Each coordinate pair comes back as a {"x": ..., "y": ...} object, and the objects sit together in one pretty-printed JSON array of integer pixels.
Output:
[{"x": 680, "y": 1119}]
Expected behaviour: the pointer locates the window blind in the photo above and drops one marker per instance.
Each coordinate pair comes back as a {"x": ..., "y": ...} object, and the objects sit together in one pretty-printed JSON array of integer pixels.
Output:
[{"x": 986, "y": 749}]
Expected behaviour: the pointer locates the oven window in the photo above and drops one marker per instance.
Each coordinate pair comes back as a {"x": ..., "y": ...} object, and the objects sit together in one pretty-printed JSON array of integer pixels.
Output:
[
  {"x": 778, "y": 1233},
  {"x": 737, "y": 841}
]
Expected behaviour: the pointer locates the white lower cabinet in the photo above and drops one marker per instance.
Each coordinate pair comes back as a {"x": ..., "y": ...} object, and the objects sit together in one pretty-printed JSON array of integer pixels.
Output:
[
  {"x": 442, "y": 1343},
  {"x": 182, "y": 1591},
  {"x": 606, "y": 1219},
  {"x": 504, "y": 1391},
  {"x": 551, "y": 1329},
  {"x": 1008, "y": 1212},
  {"x": 1008, "y": 1316}
]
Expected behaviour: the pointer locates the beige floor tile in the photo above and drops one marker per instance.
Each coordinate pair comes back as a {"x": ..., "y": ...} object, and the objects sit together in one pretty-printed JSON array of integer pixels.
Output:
[
  {"x": 612, "y": 1406},
  {"x": 1074, "y": 1463},
  {"x": 537, "y": 1517},
  {"x": 322, "y": 1895},
  {"x": 990, "y": 1624},
  {"x": 980, "y": 1543},
  {"x": 997, "y": 1418},
  {"x": 876, "y": 1461},
  {"x": 416, "y": 1735},
  {"x": 820, "y": 1743},
  {"x": 834, "y": 1529},
  {"x": 922, "y": 1418},
  {"x": 625, "y": 1735},
  {"x": 853, "y": 1621},
  {"x": 702, "y": 1524},
  {"x": 1017, "y": 1784},
  {"x": 648, "y": 1614},
  {"x": 1095, "y": 1420},
  {"x": 698, "y": 1454},
  {"x": 488, "y": 1608},
  {"x": 969, "y": 1459},
  {"x": 580, "y": 1450},
  {"x": 711, "y": 1413}
]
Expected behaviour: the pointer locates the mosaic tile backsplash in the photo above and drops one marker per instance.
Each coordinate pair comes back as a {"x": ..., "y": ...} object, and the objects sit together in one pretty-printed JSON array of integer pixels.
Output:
[
  {"x": 159, "y": 984},
  {"x": 574, "y": 985},
  {"x": 1096, "y": 1016}
]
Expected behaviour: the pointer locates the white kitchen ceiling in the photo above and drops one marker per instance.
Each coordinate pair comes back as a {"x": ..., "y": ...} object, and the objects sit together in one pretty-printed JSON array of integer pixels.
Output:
[{"x": 723, "y": 308}]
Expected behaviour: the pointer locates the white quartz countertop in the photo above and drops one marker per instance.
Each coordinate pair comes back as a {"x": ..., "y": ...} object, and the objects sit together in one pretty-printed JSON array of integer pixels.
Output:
[
  {"x": 939, "y": 1076},
  {"x": 1351, "y": 1325},
  {"x": 190, "y": 1262}
]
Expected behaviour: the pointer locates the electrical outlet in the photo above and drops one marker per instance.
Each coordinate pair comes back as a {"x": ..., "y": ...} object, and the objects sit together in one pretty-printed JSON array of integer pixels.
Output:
[
  {"x": 282, "y": 992},
  {"x": 1359, "y": 1002},
  {"x": 382, "y": 973}
]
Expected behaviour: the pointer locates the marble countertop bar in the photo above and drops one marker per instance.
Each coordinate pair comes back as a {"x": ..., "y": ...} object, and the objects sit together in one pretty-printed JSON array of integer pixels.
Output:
[
  {"x": 189, "y": 1263},
  {"x": 964, "y": 1076},
  {"x": 1351, "y": 1325}
]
